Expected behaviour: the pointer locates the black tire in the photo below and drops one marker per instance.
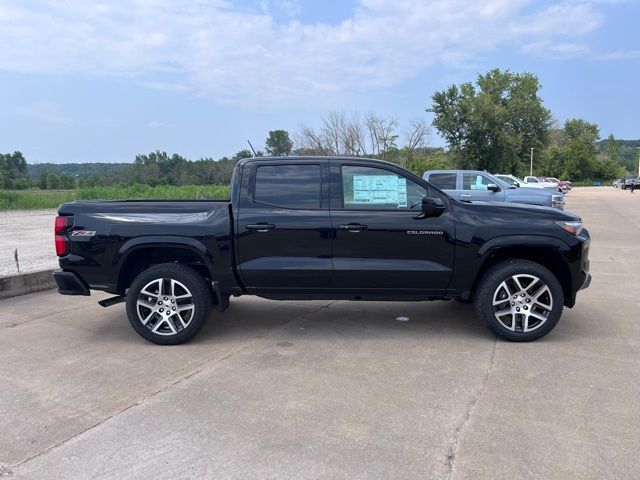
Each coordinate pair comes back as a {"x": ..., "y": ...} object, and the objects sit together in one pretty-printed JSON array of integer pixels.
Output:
[
  {"x": 493, "y": 279},
  {"x": 200, "y": 298}
]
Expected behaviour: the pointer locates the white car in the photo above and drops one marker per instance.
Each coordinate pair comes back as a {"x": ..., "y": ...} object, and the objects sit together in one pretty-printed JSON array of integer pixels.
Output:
[
  {"x": 513, "y": 180},
  {"x": 529, "y": 180},
  {"x": 565, "y": 186}
]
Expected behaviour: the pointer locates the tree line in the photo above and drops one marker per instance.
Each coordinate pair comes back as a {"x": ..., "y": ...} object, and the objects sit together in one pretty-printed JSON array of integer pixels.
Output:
[{"x": 490, "y": 124}]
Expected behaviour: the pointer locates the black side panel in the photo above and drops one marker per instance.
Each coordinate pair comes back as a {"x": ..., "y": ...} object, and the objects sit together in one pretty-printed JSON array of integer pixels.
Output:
[
  {"x": 282, "y": 246},
  {"x": 396, "y": 250}
]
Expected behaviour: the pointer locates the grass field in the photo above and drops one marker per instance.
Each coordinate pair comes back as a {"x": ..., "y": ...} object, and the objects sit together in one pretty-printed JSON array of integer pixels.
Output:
[{"x": 38, "y": 199}]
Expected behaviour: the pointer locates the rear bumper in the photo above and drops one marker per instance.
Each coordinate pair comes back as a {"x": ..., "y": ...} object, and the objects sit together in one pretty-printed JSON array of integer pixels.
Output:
[{"x": 69, "y": 283}]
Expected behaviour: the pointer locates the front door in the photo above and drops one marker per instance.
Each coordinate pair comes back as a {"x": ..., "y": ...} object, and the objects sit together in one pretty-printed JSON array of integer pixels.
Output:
[
  {"x": 381, "y": 244},
  {"x": 283, "y": 227},
  {"x": 475, "y": 187}
]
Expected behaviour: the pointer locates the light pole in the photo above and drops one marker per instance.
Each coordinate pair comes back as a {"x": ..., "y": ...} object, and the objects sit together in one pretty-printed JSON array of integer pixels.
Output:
[
  {"x": 531, "y": 169},
  {"x": 638, "y": 148}
]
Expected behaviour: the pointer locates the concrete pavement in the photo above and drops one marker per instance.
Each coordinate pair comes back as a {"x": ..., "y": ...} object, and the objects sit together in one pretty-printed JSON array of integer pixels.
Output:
[{"x": 333, "y": 389}]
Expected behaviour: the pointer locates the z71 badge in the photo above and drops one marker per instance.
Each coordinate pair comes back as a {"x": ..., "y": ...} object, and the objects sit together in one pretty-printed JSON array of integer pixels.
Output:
[{"x": 83, "y": 233}]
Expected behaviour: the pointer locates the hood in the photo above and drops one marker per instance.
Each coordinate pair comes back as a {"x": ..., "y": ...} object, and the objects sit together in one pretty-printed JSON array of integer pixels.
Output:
[
  {"x": 521, "y": 209},
  {"x": 532, "y": 191}
]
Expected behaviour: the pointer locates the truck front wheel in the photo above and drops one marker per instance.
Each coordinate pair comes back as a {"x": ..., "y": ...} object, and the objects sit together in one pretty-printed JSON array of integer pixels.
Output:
[
  {"x": 519, "y": 300},
  {"x": 168, "y": 303}
]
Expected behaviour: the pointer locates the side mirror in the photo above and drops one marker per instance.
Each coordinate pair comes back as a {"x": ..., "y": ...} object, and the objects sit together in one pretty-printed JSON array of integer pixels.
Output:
[
  {"x": 515, "y": 184},
  {"x": 493, "y": 187},
  {"x": 432, "y": 206}
]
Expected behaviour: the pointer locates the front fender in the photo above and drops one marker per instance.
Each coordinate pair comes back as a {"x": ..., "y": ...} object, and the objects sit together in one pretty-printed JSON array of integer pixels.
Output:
[{"x": 496, "y": 243}]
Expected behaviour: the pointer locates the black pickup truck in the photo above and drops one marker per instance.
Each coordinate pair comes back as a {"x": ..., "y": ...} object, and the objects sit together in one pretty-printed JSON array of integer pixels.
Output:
[{"x": 322, "y": 228}]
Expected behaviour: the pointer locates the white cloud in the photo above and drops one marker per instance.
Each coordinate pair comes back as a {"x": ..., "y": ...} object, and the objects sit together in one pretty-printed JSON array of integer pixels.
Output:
[
  {"x": 549, "y": 49},
  {"x": 241, "y": 56},
  {"x": 45, "y": 112}
]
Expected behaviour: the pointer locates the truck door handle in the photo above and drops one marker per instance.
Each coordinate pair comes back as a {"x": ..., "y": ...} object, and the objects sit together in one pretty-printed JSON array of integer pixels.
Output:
[
  {"x": 261, "y": 227},
  {"x": 465, "y": 194},
  {"x": 352, "y": 227}
]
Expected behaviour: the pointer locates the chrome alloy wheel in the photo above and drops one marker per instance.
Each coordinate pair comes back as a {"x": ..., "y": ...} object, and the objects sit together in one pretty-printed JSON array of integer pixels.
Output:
[
  {"x": 522, "y": 303},
  {"x": 165, "y": 306}
]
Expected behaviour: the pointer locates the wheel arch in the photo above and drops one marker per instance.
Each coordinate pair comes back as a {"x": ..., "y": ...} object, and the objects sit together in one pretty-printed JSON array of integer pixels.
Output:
[
  {"x": 140, "y": 253},
  {"x": 547, "y": 252}
]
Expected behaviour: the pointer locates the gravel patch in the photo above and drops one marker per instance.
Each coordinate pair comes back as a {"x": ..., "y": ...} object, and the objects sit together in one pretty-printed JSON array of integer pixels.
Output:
[{"x": 30, "y": 233}]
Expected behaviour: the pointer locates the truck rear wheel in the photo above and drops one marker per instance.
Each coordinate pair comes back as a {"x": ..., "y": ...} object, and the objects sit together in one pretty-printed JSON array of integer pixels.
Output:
[
  {"x": 168, "y": 303},
  {"x": 519, "y": 300}
]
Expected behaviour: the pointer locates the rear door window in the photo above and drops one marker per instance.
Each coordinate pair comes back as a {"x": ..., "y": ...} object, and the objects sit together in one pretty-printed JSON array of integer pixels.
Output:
[
  {"x": 288, "y": 186},
  {"x": 444, "y": 181}
]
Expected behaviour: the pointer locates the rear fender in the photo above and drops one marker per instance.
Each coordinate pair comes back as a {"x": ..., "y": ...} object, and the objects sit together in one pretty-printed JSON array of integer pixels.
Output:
[{"x": 193, "y": 246}]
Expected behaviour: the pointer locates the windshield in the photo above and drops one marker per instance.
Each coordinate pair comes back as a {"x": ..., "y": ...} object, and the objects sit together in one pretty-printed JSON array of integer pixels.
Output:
[{"x": 498, "y": 181}]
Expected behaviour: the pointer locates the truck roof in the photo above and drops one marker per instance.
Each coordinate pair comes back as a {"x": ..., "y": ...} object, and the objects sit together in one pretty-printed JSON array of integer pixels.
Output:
[{"x": 295, "y": 158}]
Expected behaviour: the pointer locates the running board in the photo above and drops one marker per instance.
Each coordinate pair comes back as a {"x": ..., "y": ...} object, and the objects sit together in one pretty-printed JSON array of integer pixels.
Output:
[{"x": 107, "y": 302}]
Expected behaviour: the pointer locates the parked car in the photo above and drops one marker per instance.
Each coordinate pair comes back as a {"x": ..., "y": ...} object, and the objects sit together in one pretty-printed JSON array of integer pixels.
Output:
[
  {"x": 518, "y": 182},
  {"x": 617, "y": 183},
  {"x": 538, "y": 180},
  {"x": 629, "y": 181},
  {"x": 475, "y": 185},
  {"x": 564, "y": 185},
  {"x": 318, "y": 228}
]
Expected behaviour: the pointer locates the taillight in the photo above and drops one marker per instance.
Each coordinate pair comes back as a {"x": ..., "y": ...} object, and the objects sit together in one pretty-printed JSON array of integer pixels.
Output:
[{"x": 62, "y": 241}]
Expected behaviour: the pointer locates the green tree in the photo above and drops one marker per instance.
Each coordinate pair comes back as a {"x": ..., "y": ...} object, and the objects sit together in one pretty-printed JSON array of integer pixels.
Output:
[
  {"x": 579, "y": 148},
  {"x": 52, "y": 181},
  {"x": 42, "y": 182},
  {"x": 575, "y": 154},
  {"x": 242, "y": 154},
  {"x": 435, "y": 159},
  {"x": 493, "y": 124},
  {"x": 278, "y": 143},
  {"x": 13, "y": 170},
  {"x": 612, "y": 149},
  {"x": 158, "y": 168}
]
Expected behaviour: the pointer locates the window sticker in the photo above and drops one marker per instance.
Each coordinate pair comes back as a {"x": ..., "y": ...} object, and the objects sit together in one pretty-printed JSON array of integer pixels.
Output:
[
  {"x": 380, "y": 189},
  {"x": 478, "y": 185}
]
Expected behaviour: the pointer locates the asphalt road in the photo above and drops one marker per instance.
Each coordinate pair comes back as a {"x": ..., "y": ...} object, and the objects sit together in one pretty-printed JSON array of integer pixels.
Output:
[{"x": 323, "y": 390}]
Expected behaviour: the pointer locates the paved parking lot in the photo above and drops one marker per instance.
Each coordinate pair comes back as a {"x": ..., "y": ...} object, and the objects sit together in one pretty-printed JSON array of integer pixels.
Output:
[{"x": 322, "y": 390}]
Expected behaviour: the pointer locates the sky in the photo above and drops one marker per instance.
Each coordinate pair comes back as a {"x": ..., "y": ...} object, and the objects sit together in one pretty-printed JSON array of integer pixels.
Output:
[{"x": 84, "y": 81}]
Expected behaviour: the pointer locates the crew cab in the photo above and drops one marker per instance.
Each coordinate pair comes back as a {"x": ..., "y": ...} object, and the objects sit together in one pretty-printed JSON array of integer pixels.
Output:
[
  {"x": 477, "y": 185},
  {"x": 322, "y": 228}
]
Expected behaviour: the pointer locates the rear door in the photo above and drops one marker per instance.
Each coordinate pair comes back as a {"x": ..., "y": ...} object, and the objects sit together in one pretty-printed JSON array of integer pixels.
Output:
[
  {"x": 475, "y": 188},
  {"x": 381, "y": 244},
  {"x": 283, "y": 226}
]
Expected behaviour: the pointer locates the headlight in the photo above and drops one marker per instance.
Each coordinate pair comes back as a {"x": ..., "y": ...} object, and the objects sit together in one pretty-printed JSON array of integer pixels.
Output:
[
  {"x": 574, "y": 228},
  {"x": 557, "y": 200}
]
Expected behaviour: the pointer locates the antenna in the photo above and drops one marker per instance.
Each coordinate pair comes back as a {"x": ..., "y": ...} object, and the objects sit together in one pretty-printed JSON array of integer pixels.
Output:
[{"x": 254, "y": 152}]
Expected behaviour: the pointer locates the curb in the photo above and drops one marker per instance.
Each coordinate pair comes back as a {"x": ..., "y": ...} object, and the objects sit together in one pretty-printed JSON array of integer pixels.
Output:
[{"x": 23, "y": 283}]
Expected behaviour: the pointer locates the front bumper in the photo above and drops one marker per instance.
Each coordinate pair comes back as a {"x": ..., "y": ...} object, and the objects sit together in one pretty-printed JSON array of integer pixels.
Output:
[
  {"x": 558, "y": 202},
  {"x": 70, "y": 283}
]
